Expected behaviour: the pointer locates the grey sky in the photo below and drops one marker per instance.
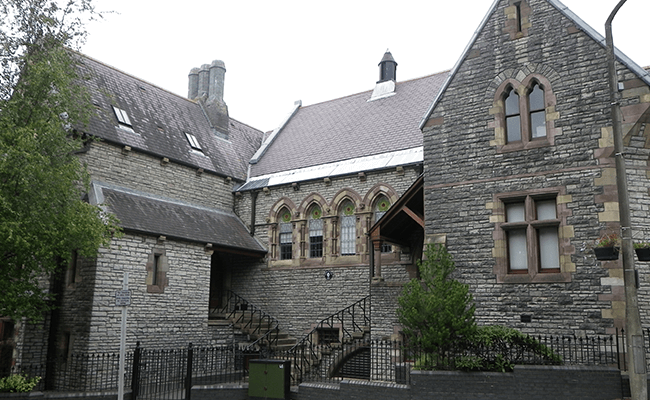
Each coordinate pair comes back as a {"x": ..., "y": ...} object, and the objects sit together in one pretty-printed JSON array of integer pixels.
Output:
[{"x": 277, "y": 52}]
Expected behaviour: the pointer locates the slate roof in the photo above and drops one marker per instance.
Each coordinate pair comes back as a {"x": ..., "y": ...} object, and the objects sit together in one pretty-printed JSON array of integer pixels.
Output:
[
  {"x": 145, "y": 213},
  {"x": 159, "y": 120},
  {"x": 351, "y": 127},
  {"x": 642, "y": 73}
]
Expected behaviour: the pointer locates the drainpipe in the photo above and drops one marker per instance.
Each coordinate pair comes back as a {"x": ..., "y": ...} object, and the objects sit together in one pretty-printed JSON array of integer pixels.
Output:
[
  {"x": 253, "y": 211},
  {"x": 634, "y": 336}
]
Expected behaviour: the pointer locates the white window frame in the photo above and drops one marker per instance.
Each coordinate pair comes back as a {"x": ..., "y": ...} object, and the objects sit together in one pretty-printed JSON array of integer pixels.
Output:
[
  {"x": 122, "y": 117},
  {"x": 194, "y": 142}
]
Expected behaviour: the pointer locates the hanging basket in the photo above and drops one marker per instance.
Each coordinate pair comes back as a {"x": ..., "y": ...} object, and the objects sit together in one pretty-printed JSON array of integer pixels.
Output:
[
  {"x": 606, "y": 253},
  {"x": 643, "y": 253}
]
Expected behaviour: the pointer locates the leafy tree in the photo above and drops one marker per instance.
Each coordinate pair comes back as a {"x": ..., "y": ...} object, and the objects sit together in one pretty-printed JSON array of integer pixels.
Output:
[
  {"x": 437, "y": 312},
  {"x": 43, "y": 217}
]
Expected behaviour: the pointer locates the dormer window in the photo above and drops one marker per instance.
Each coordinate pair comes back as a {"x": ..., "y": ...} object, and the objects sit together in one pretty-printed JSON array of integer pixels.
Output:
[
  {"x": 122, "y": 117},
  {"x": 194, "y": 142}
]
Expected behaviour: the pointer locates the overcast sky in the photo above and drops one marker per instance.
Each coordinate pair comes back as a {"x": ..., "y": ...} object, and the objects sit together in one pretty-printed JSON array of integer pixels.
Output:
[{"x": 277, "y": 52}]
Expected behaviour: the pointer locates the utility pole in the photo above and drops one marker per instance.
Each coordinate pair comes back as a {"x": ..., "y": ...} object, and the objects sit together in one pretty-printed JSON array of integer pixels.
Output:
[{"x": 633, "y": 334}]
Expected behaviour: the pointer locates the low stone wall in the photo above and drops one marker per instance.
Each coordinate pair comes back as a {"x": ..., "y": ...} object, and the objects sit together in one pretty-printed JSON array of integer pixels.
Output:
[
  {"x": 107, "y": 395},
  {"x": 526, "y": 382}
]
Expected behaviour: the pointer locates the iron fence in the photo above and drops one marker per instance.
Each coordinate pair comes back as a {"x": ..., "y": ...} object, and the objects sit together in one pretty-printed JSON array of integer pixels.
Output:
[
  {"x": 76, "y": 372},
  {"x": 170, "y": 373}
]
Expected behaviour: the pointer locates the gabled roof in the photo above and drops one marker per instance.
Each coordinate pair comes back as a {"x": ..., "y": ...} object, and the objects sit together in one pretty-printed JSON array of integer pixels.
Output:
[
  {"x": 580, "y": 24},
  {"x": 349, "y": 128},
  {"x": 154, "y": 215},
  {"x": 402, "y": 218},
  {"x": 160, "y": 120}
]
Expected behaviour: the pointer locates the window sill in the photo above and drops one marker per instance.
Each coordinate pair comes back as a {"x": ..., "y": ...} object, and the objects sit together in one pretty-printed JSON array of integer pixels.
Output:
[
  {"x": 518, "y": 146},
  {"x": 545, "y": 277}
]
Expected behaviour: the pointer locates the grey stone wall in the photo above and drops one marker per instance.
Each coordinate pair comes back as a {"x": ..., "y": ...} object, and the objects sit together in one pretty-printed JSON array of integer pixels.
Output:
[
  {"x": 173, "y": 318},
  {"x": 138, "y": 171},
  {"x": 464, "y": 133},
  {"x": 296, "y": 292}
]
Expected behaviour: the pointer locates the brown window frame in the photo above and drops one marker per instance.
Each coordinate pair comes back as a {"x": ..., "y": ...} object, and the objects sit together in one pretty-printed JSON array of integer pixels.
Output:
[{"x": 533, "y": 273}]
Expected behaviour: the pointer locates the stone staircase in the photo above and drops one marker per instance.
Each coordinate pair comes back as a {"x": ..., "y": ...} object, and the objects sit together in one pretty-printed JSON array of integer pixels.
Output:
[
  {"x": 255, "y": 333},
  {"x": 318, "y": 354}
]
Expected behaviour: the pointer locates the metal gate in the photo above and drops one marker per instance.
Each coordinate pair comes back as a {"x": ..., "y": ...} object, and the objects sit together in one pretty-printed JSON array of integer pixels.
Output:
[
  {"x": 169, "y": 373},
  {"x": 162, "y": 373}
]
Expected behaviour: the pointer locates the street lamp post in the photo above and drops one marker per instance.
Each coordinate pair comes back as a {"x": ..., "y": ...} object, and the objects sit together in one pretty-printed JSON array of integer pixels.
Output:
[{"x": 634, "y": 335}]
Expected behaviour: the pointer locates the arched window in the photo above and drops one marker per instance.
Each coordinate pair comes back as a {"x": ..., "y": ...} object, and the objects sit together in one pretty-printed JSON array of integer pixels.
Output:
[
  {"x": 381, "y": 206},
  {"x": 315, "y": 232},
  {"x": 513, "y": 116},
  {"x": 525, "y": 112},
  {"x": 537, "y": 112},
  {"x": 348, "y": 229},
  {"x": 286, "y": 235}
]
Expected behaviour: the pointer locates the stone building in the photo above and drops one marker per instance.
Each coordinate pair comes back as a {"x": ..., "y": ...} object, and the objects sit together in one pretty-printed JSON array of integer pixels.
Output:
[
  {"x": 524, "y": 120},
  {"x": 317, "y": 185},
  {"x": 166, "y": 167},
  {"x": 511, "y": 168}
]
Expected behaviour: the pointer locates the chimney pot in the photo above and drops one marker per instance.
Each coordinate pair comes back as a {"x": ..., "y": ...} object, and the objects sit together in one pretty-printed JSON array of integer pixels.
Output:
[
  {"x": 193, "y": 84},
  {"x": 217, "y": 77},
  {"x": 204, "y": 80}
]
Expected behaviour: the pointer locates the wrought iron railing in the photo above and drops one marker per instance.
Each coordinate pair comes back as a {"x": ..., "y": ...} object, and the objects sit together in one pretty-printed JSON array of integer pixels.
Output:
[
  {"x": 251, "y": 319},
  {"x": 151, "y": 372},
  {"x": 351, "y": 320},
  {"x": 75, "y": 372}
]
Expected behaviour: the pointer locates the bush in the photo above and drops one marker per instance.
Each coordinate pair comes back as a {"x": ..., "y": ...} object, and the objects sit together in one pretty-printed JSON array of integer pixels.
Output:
[
  {"x": 501, "y": 348},
  {"x": 492, "y": 348},
  {"x": 18, "y": 383},
  {"x": 437, "y": 312}
]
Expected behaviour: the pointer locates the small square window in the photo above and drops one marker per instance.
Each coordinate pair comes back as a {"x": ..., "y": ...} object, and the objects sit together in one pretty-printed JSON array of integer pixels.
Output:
[
  {"x": 122, "y": 116},
  {"x": 194, "y": 142}
]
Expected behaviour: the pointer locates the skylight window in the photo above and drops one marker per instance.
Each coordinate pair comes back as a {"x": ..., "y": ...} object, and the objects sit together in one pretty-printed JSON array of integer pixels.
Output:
[
  {"x": 194, "y": 142},
  {"x": 122, "y": 116}
]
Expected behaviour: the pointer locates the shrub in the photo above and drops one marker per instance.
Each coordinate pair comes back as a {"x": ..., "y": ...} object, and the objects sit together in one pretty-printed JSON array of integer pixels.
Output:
[
  {"x": 437, "y": 312},
  {"x": 18, "y": 383},
  {"x": 500, "y": 348}
]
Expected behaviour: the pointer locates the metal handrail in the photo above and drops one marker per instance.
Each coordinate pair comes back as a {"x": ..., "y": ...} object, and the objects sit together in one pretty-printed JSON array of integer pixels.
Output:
[
  {"x": 302, "y": 359},
  {"x": 255, "y": 319}
]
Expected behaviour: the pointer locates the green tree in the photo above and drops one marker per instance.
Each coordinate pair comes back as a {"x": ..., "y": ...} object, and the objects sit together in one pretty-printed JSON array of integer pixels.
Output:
[
  {"x": 43, "y": 217},
  {"x": 436, "y": 311}
]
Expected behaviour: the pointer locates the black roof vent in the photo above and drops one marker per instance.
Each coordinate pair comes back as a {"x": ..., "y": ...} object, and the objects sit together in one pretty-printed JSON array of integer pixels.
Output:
[{"x": 387, "y": 68}]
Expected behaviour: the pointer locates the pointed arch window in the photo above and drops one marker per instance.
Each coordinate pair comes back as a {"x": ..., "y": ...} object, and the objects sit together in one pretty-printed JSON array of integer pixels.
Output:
[
  {"x": 381, "y": 206},
  {"x": 286, "y": 235},
  {"x": 513, "y": 116},
  {"x": 315, "y": 232},
  {"x": 537, "y": 112},
  {"x": 348, "y": 229}
]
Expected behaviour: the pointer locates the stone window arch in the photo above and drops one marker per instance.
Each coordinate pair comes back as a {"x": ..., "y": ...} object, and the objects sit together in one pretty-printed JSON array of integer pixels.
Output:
[
  {"x": 315, "y": 228},
  {"x": 524, "y": 113},
  {"x": 278, "y": 214},
  {"x": 348, "y": 226},
  {"x": 285, "y": 234},
  {"x": 380, "y": 206},
  {"x": 512, "y": 115}
]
